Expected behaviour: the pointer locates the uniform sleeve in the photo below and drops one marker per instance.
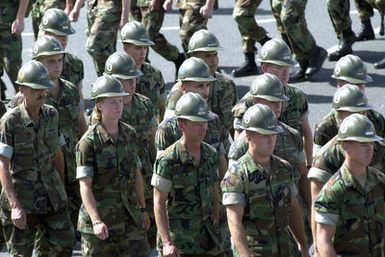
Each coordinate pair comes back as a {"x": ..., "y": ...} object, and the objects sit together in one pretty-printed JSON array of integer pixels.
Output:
[
  {"x": 238, "y": 148},
  {"x": 233, "y": 187},
  {"x": 162, "y": 177},
  {"x": 325, "y": 164},
  {"x": 85, "y": 159},
  {"x": 162, "y": 88},
  {"x": 6, "y": 138},
  {"x": 163, "y": 136},
  {"x": 327, "y": 204}
]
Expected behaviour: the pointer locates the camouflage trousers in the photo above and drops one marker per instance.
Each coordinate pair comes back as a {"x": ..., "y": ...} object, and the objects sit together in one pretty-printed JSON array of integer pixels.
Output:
[
  {"x": 290, "y": 18},
  {"x": 55, "y": 227},
  {"x": 122, "y": 245},
  {"x": 10, "y": 46},
  {"x": 365, "y": 8},
  {"x": 153, "y": 21},
  {"x": 339, "y": 15},
  {"x": 38, "y": 10},
  {"x": 103, "y": 20},
  {"x": 190, "y": 21},
  {"x": 251, "y": 32}
]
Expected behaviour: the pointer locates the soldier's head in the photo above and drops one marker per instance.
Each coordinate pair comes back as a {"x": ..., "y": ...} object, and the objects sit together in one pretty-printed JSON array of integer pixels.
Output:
[
  {"x": 49, "y": 51},
  {"x": 350, "y": 69},
  {"x": 34, "y": 82},
  {"x": 276, "y": 58},
  {"x": 357, "y": 134},
  {"x": 195, "y": 76},
  {"x": 261, "y": 126},
  {"x": 267, "y": 89},
  {"x": 121, "y": 66},
  {"x": 135, "y": 41},
  {"x": 350, "y": 99},
  {"x": 108, "y": 93},
  {"x": 56, "y": 23},
  {"x": 193, "y": 113},
  {"x": 203, "y": 44}
]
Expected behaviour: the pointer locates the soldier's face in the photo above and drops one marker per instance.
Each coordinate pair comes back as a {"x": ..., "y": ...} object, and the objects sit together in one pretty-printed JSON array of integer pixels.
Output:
[
  {"x": 210, "y": 58},
  {"x": 192, "y": 130},
  {"x": 344, "y": 114},
  {"x": 275, "y": 106},
  {"x": 261, "y": 145},
  {"x": 129, "y": 85},
  {"x": 282, "y": 72},
  {"x": 34, "y": 97},
  {"x": 62, "y": 39},
  {"x": 358, "y": 153},
  {"x": 111, "y": 108},
  {"x": 201, "y": 88},
  {"x": 54, "y": 65},
  {"x": 138, "y": 53},
  {"x": 341, "y": 83}
]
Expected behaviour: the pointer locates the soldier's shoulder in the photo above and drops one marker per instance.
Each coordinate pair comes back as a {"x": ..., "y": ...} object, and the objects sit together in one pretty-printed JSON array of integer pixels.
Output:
[
  {"x": 241, "y": 107},
  {"x": 282, "y": 163},
  {"x": 11, "y": 114},
  {"x": 126, "y": 128},
  {"x": 70, "y": 87},
  {"x": 209, "y": 149},
  {"x": 149, "y": 68},
  {"x": 49, "y": 110},
  {"x": 290, "y": 131},
  {"x": 144, "y": 100},
  {"x": 73, "y": 59},
  {"x": 326, "y": 121}
]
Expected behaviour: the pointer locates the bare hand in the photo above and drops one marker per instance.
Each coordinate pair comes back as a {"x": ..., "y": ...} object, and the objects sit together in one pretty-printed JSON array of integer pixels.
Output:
[
  {"x": 206, "y": 12},
  {"x": 167, "y": 5},
  {"x": 169, "y": 250},
  {"x": 146, "y": 220},
  {"x": 74, "y": 15},
  {"x": 68, "y": 9},
  {"x": 101, "y": 231},
  {"x": 19, "y": 218},
  {"x": 17, "y": 26},
  {"x": 154, "y": 5}
]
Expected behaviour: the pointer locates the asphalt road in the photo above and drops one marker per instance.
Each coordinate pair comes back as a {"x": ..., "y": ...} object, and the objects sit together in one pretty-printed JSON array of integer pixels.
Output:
[{"x": 319, "y": 91}]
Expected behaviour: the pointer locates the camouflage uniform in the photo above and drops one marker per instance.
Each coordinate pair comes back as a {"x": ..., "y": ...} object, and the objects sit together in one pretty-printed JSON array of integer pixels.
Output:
[
  {"x": 339, "y": 15},
  {"x": 251, "y": 32},
  {"x": 151, "y": 84},
  {"x": 190, "y": 20},
  {"x": 38, "y": 9},
  {"x": 327, "y": 128},
  {"x": 103, "y": 18},
  {"x": 168, "y": 133},
  {"x": 190, "y": 205},
  {"x": 10, "y": 44},
  {"x": 141, "y": 117},
  {"x": 356, "y": 211},
  {"x": 112, "y": 166},
  {"x": 331, "y": 157},
  {"x": 73, "y": 69},
  {"x": 37, "y": 184},
  {"x": 292, "y": 115},
  {"x": 266, "y": 196},
  {"x": 153, "y": 21}
]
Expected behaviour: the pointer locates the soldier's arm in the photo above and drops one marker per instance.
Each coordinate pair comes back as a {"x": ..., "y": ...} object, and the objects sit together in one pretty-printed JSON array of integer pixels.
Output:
[
  {"x": 297, "y": 227},
  {"x": 308, "y": 141},
  {"x": 126, "y": 6},
  {"x": 162, "y": 110},
  {"x": 237, "y": 230},
  {"x": 100, "y": 229},
  {"x": 325, "y": 234},
  {"x": 222, "y": 165},
  {"x": 18, "y": 214},
  {"x": 74, "y": 13},
  {"x": 304, "y": 185},
  {"x": 140, "y": 193},
  {"x": 59, "y": 163},
  {"x": 316, "y": 187},
  {"x": 161, "y": 219},
  {"x": 18, "y": 24}
]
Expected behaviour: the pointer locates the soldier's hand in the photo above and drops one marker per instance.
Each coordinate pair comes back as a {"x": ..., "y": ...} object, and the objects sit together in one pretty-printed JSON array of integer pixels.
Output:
[
  {"x": 100, "y": 230},
  {"x": 17, "y": 26},
  {"x": 146, "y": 220},
  {"x": 170, "y": 250},
  {"x": 167, "y": 5},
  {"x": 206, "y": 11},
  {"x": 74, "y": 15},
  {"x": 19, "y": 217}
]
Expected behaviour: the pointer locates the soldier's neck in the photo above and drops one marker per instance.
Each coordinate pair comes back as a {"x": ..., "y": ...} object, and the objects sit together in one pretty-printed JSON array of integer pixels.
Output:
[
  {"x": 33, "y": 112},
  {"x": 193, "y": 147},
  {"x": 262, "y": 160},
  {"x": 357, "y": 169},
  {"x": 56, "y": 88},
  {"x": 111, "y": 126}
]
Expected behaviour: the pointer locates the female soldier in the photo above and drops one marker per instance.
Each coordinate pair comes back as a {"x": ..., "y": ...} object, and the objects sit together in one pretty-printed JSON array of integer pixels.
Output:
[{"x": 111, "y": 185}]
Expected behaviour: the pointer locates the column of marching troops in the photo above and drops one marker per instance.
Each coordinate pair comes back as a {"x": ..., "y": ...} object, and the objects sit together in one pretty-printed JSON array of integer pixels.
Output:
[{"x": 197, "y": 173}]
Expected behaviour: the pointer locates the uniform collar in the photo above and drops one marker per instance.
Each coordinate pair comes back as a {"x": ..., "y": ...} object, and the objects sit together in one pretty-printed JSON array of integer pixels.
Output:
[
  {"x": 185, "y": 156},
  {"x": 27, "y": 121},
  {"x": 104, "y": 136},
  {"x": 350, "y": 181}
]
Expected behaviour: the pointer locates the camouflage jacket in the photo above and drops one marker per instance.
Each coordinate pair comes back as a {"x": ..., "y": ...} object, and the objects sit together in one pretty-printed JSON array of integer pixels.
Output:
[
  {"x": 358, "y": 212},
  {"x": 112, "y": 165},
  {"x": 68, "y": 106},
  {"x": 152, "y": 85},
  {"x": 141, "y": 117},
  {"x": 190, "y": 4},
  {"x": 31, "y": 150},
  {"x": 293, "y": 113},
  {"x": 288, "y": 146},
  {"x": 327, "y": 128},
  {"x": 73, "y": 69},
  {"x": 266, "y": 197},
  {"x": 190, "y": 203},
  {"x": 168, "y": 133},
  {"x": 331, "y": 157}
]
